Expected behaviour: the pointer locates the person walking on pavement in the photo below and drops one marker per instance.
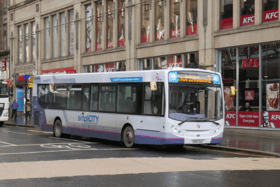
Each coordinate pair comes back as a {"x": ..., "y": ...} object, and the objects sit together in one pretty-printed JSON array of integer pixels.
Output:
[
  {"x": 28, "y": 109},
  {"x": 14, "y": 110}
]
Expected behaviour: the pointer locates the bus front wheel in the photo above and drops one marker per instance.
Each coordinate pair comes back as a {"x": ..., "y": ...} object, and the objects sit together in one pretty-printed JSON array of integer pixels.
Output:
[
  {"x": 57, "y": 129},
  {"x": 128, "y": 137}
]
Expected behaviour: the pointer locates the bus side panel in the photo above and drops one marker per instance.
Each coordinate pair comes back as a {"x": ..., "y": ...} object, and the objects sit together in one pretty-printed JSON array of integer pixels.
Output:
[{"x": 39, "y": 116}]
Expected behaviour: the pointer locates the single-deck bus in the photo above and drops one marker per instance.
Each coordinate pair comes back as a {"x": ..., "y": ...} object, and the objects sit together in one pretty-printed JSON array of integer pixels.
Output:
[
  {"x": 4, "y": 102},
  {"x": 162, "y": 107}
]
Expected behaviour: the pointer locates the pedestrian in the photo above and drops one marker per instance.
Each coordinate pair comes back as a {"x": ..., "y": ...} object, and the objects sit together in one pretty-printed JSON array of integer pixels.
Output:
[
  {"x": 14, "y": 107},
  {"x": 28, "y": 108}
]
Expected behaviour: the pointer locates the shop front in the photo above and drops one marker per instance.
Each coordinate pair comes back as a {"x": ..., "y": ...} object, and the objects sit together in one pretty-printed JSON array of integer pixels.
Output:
[
  {"x": 106, "y": 67},
  {"x": 254, "y": 71}
]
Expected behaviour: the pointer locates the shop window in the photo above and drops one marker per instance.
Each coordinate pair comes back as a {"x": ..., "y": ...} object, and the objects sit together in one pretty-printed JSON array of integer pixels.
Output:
[
  {"x": 226, "y": 14},
  {"x": 146, "y": 64},
  {"x": 247, "y": 12},
  {"x": 174, "y": 18},
  {"x": 110, "y": 24},
  {"x": 160, "y": 63},
  {"x": 228, "y": 60},
  {"x": 94, "y": 98},
  {"x": 71, "y": 32},
  {"x": 159, "y": 20},
  {"x": 20, "y": 37},
  {"x": 5, "y": 37},
  {"x": 192, "y": 60},
  {"x": 47, "y": 38},
  {"x": 127, "y": 99},
  {"x": 145, "y": 21},
  {"x": 248, "y": 86},
  {"x": 107, "y": 98},
  {"x": 88, "y": 27},
  {"x": 33, "y": 42},
  {"x": 62, "y": 34},
  {"x": 270, "y": 85},
  {"x": 26, "y": 28},
  {"x": 121, "y": 23},
  {"x": 120, "y": 66},
  {"x": 54, "y": 36},
  {"x": 174, "y": 61},
  {"x": 191, "y": 17},
  {"x": 99, "y": 20},
  {"x": 109, "y": 67},
  {"x": 270, "y": 10}
]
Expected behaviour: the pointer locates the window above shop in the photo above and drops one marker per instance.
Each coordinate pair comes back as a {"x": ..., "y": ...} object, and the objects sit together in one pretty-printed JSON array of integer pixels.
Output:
[{"x": 226, "y": 14}]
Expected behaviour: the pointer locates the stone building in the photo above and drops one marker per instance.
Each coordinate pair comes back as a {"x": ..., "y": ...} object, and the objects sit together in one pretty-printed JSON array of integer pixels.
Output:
[
  {"x": 4, "y": 51},
  {"x": 238, "y": 38}
]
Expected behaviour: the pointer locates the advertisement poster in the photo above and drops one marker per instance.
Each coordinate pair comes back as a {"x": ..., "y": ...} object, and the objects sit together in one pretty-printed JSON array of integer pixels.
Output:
[
  {"x": 229, "y": 99},
  {"x": 249, "y": 95},
  {"x": 251, "y": 119},
  {"x": 20, "y": 99},
  {"x": 272, "y": 97}
]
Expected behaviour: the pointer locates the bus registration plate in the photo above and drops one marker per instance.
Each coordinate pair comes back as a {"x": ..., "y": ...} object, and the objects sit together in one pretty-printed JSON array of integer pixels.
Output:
[{"x": 197, "y": 141}]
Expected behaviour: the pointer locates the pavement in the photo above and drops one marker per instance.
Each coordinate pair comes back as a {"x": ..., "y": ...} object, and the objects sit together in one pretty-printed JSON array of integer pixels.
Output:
[{"x": 262, "y": 145}]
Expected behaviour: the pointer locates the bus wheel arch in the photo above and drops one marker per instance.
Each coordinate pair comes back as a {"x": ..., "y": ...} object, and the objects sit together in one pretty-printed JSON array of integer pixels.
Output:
[
  {"x": 57, "y": 127},
  {"x": 128, "y": 135}
]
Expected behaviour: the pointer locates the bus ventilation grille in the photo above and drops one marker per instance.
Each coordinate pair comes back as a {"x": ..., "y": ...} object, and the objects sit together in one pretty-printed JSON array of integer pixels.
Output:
[{"x": 36, "y": 118}]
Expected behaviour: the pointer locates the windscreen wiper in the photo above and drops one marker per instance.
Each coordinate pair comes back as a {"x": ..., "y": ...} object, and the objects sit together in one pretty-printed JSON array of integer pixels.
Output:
[
  {"x": 188, "y": 119},
  {"x": 205, "y": 120}
]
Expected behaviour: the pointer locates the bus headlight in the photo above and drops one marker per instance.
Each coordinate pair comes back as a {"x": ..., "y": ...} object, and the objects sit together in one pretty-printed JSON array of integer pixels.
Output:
[{"x": 175, "y": 130}]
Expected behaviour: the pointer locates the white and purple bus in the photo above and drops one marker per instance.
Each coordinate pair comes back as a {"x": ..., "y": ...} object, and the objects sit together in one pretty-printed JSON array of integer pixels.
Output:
[{"x": 161, "y": 107}]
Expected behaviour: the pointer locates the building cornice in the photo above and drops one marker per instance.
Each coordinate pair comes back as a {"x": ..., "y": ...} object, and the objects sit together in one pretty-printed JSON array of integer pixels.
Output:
[{"x": 19, "y": 5}]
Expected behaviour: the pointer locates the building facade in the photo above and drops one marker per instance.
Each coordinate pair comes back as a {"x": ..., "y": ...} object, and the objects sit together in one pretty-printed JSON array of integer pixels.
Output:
[{"x": 238, "y": 38}]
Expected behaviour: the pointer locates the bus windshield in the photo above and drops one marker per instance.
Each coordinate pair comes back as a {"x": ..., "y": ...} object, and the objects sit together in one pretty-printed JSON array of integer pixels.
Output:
[
  {"x": 189, "y": 101},
  {"x": 3, "y": 90}
]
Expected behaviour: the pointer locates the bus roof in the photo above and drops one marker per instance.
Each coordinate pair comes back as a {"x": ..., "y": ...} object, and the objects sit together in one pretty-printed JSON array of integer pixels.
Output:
[{"x": 114, "y": 77}]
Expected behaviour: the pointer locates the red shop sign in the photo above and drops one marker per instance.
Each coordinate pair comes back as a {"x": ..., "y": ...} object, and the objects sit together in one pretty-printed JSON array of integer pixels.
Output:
[
  {"x": 249, "y": 95},
  {"x": 247, "y": 20},
  {"x": 2, "y": 65},
  {"x": 270, "y": 15},
  {"x": 230, "y": 118},
  {"x": 68, "y": 70},
  {"x": 192, "y": 29}
]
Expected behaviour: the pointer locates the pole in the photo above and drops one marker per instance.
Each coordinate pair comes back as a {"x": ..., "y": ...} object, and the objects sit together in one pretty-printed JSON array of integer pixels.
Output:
[{"x": 25, "y": 100}]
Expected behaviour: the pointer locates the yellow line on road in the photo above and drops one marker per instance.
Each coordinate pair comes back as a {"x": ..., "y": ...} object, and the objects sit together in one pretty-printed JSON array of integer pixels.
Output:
[{"x": 117, "y": 166}]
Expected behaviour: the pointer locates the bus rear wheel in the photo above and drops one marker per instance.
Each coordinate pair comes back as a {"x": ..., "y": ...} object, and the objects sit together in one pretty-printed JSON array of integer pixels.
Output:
[
  {"x": 128, "y": 137},
  {"x": 57, "y": 129}
]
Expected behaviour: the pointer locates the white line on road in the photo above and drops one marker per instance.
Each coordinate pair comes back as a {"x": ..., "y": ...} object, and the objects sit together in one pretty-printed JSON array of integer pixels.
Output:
[
  {"x": 68, "y": 139},
  {"x": 45, "y": 132},
  {"x": 68, "y": 150},
  {"x": 29, "y": 145},
  {"x": 8, "y": 144},
  {"x": 19, "y": 133}
]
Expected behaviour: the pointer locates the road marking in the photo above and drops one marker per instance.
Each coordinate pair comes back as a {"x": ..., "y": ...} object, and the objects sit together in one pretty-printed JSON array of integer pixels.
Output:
[
  {"x": 6, "y": 143},
  {"x": 122, "y": 166},
  {"x": 19, "y": 133},
  {"x": 71, "y": 146},
  {"x": 27, "y": 145},
  {"x": 45, "y": 132},
  {"x": 68, "y": 150},
  {"x": 68, "y": 139}
]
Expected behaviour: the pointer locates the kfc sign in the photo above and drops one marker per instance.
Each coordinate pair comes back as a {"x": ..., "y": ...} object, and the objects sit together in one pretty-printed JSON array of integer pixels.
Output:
[
  {"x": 247, "y": 20},
  {"x": 69, "y": 70},
  {"x": 2, "y": 65},
  {"x": 249, "y": 95},
  {"x": 270, "y": 15}
]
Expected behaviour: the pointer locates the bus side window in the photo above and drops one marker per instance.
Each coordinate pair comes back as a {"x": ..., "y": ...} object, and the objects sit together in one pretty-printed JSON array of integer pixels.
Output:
[
  {"x": 127, "y": 99},
  {"x": 107, "y": 98},
  {"x": 93, "y": 97},
  {"x": 139, "y": 98},
  {"x": 85, "y": 95}
]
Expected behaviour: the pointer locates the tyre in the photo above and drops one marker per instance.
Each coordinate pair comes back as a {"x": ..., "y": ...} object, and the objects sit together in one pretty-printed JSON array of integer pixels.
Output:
[
  {"x": 1, "y": 123},
  {"x": 57, "y": 129},
  {"x": 128, "y": 137}
]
